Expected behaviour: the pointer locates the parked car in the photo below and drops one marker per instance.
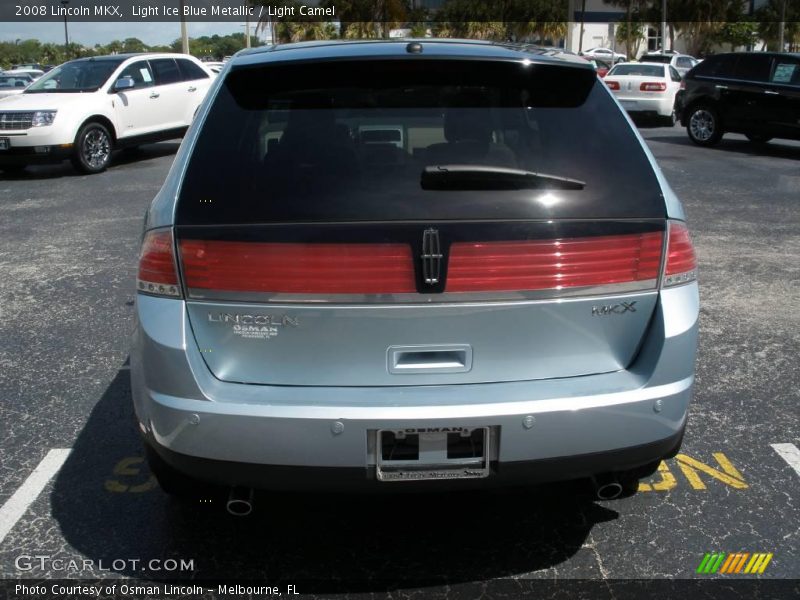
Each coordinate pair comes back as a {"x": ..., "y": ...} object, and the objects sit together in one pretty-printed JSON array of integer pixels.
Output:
[
  {"x": 384, "y": 264},
  {"x": 86, "y": 108},
  {"x": 681, "y": 62},
  {"x": 646, "y": 89},
  {"x": 214, "y": 66},
  {"x": 34, "y": 74},
  {"x": 11, "y": 85},
  {"x": 28, "y": 67},
  {"x": 606, "y": 55},
  {"x": 601, "y": 67},
  {"x": 754, "y": 93}
]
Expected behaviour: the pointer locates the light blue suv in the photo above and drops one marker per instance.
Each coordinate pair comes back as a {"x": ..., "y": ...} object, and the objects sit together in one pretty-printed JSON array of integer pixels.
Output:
[{"x": 378, "y": 265}]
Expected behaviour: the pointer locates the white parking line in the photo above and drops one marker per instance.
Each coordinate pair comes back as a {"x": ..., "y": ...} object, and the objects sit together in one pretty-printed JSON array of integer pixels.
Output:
[
  {"x": 790, "y": 454},
  {"x": 19, "y": 502}
]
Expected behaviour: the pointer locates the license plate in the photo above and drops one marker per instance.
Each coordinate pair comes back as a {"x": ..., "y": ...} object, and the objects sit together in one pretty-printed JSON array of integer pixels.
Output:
[
  {"x": 433, "y": 453},
  {"x": 5, "y": 143},
  {"x": 628, "y": 104}
]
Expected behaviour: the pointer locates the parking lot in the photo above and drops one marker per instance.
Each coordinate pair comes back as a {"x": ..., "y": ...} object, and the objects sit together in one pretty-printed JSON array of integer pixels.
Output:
[{"x": 68, "y": 250}]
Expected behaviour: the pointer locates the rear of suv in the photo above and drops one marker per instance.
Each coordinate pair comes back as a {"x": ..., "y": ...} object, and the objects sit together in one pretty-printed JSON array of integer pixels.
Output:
[
  {"x": 380, "y": 263},
  {"x": 754, "y": 93}
]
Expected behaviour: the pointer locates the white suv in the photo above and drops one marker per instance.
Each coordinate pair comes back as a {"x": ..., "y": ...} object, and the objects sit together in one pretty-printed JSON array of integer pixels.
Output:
[{"x": 86, "y": 108}]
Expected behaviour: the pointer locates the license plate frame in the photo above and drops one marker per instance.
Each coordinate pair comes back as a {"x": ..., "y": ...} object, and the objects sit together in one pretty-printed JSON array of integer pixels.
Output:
[{"x": 440, "y": 454}]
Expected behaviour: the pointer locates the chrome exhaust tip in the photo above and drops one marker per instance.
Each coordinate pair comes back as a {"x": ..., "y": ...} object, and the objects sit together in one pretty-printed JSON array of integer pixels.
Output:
[
  {"x": 606, "y": 487},
  {"x": 240, "y": 501}
]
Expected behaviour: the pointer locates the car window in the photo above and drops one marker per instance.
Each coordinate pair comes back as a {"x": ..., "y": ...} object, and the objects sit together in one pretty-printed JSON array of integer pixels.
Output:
[
  {"x": 684, "y": 61},
  {"x": 351, "y": 140},
  {"x": 786, "y": 70},
  {"x": 752, "y": 67},
  {"x": 13, "y": 82},
  {"x": 84, "y": 75},
  {"x": 191, "y": 71},
  {"x": 674, "y": 75},
  {"x": 140, "y": 73},
  {"x": 717, "y": 66},
  {"x": 165, "y": 70},
  {"x": 655, "y": 58},
  {"x": 643, "y": 70}
]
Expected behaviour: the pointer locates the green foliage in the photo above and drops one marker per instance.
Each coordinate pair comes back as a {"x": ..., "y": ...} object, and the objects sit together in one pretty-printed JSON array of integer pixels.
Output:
[
  {"x": 33, "y": 51},
  {"x": 769, "y": 17}
]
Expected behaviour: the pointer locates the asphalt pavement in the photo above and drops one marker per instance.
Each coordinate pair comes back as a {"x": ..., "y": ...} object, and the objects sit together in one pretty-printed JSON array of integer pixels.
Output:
[{"x": 68, "y": 251}]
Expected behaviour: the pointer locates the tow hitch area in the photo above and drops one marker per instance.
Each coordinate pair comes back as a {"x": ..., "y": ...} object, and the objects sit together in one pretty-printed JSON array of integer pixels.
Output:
[{"x": 433, "y": 453}]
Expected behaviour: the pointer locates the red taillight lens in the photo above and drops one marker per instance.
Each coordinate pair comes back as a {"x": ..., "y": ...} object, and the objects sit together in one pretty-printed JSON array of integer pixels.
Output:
[
  {"x": 683, "y": 84},
  {"x": 298, "y": 268},
  {"x": 612, "y": 85},
  {"x": 653, "y": 86},
  {"x": 681, "y": 263},
  {"x": 553, "y": 264},
  {"x": 157, "y": 273}
]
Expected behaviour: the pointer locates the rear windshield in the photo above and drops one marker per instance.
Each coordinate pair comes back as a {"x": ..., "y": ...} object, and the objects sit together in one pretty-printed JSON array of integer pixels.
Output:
[
  {"x": 350, "y": 141},
  {"x": 640, "y": 70}
]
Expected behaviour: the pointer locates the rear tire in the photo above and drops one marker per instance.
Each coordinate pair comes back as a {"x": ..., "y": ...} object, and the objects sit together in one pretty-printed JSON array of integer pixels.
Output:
[
  {"x": 703, "y": 125},
  {"x": 670, "y": 120},
  {"x": 172, "y": 481},
  {"x": 758, "y": 138},
  {"x": 92, "y": 149}
]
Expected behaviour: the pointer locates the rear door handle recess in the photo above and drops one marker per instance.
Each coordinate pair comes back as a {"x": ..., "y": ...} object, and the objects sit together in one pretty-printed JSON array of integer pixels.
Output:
[
  {"x": 154, "y": 95},
  {"x": 449, "y": 358},
  {"x": 192, "y": 89},
  {"x": 772, "y": 92}
]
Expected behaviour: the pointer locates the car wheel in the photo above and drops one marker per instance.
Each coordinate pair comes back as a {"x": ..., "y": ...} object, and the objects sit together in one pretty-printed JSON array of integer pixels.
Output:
[
  {"x": 670, "y": 120},
  {"x": 173, "y": 482},
  {"x": 758, "y": 138},
  {"x": 703, "y": 126},
  {"x": 92, "y": 150}
]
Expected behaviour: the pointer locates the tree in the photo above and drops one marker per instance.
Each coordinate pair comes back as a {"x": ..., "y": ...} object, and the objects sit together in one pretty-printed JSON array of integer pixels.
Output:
[
  {"x": 769, "y": 17},
  {"x": 737, "y": 34},
  {"x": 630, "y": 31}
]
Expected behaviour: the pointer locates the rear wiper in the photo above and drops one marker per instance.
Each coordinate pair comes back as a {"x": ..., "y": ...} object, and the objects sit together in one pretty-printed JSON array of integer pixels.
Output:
[{"x": 485, "y": 177}]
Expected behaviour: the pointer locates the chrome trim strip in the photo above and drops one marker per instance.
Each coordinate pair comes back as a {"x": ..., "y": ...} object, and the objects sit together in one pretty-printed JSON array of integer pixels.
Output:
[{"x": 443, "y": 298}]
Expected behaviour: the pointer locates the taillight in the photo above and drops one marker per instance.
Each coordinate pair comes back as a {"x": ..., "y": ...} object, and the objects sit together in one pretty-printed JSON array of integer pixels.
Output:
[
  {"x": 683, "y": 84},
  {"x": 653, "y": 86},
  {"x": 554, "y": 264},
  {"x": 681, "y": 263},
  {"x": 297, "y": 268},
  {"x": 157, "y": 272},
  {"x": 612, "y": 85}
]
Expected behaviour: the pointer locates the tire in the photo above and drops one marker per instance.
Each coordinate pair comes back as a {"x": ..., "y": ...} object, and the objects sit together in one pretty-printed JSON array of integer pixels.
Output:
[
  {"x": 670, "y": 120},
  {"x": 173, "y": 482},
  {"x": 92, "y": 149},
  {"x": 703, "y": 125},
  {"x": 758, "y": 138}
]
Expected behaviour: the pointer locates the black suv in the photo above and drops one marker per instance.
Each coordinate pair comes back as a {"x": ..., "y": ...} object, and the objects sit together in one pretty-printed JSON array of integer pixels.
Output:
[{"x": 754, "y": 93}]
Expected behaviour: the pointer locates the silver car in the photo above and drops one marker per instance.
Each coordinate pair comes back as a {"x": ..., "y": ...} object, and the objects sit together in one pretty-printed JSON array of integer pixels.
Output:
[{"x": 383, "y": 265}]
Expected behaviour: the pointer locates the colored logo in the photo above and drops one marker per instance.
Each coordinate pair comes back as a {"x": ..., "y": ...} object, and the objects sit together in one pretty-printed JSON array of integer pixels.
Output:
[{"x": 738, "y": 562}]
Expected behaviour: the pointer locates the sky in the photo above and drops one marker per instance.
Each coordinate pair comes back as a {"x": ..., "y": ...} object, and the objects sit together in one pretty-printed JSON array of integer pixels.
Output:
[{"x": 90, "y": 34}]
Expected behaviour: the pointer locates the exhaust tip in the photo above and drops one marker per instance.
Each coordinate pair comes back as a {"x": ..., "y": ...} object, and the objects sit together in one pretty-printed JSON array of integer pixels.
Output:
[
  {"x": 609, "y": 491},
  {"x": 240, "y": 502}
]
